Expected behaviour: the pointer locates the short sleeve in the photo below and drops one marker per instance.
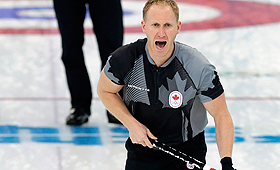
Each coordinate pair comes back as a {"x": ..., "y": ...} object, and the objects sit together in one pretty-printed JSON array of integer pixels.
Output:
[
  {"x": 111, "y": 72},
  {"x": 121, "y": 61},
  {"x": 210, "y": 86}
]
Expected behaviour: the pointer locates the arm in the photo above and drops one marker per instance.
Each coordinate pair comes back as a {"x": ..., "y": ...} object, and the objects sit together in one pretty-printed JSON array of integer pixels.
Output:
[
  {"x": 107, "y": 91},
  {"x": 223, "y": 124}
]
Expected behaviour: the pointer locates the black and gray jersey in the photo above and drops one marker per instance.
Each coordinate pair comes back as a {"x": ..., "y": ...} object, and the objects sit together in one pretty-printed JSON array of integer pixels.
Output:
[{"x": 166, "y": 99}]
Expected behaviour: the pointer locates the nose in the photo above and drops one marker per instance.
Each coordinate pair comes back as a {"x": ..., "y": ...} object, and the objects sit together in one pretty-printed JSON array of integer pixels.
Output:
[{"x": 161, "y": 32}]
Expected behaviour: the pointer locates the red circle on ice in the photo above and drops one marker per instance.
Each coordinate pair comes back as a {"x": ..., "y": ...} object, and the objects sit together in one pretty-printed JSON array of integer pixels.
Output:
[{"x": 233, "y": 14}]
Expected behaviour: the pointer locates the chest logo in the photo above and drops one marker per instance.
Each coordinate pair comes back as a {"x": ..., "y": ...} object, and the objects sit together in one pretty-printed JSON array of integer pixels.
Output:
[{"x": 175, "y": 99}]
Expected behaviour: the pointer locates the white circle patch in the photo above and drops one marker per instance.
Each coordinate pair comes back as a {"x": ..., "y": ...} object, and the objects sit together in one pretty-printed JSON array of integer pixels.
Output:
[{"x": 175, "y": 99}]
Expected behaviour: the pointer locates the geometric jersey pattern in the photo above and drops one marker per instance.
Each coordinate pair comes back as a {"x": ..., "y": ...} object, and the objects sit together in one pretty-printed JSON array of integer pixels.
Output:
[{"x": 136, "y": 87}]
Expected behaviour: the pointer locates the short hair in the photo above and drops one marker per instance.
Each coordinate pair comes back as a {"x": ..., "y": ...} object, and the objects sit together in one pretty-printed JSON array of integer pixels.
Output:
[{"x": 172, "y": 3}]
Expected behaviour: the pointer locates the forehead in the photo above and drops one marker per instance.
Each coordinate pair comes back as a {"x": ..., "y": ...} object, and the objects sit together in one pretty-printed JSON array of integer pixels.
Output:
[{"x": 161, "y": 12}]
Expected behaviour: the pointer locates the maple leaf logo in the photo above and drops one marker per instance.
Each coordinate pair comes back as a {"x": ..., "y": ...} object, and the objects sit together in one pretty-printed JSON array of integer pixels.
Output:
[
  {"x": 175, "y": 84},
  {"x": 175, "y": 97}
]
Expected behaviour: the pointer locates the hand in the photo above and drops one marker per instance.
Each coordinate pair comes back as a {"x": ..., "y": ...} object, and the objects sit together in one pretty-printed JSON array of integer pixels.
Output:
[
  {"x": 139, "y": 135},
  {"x": 227, "y": 163}
]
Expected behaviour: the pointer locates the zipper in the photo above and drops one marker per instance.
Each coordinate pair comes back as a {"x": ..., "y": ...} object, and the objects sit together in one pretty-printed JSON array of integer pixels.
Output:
[{"x": 156, "y": 84}]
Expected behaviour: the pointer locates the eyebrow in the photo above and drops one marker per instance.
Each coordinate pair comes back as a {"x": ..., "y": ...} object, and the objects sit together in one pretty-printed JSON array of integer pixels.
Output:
[{"x": 167, "y": 23}]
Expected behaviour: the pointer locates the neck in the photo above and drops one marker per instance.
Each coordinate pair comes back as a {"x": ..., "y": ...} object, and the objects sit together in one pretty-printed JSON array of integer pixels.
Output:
[{"x": 160, "y": 59}]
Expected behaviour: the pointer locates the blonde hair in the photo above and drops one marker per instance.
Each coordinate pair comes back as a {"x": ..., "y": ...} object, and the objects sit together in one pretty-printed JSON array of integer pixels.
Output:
[{"x": 172, "y": 3}]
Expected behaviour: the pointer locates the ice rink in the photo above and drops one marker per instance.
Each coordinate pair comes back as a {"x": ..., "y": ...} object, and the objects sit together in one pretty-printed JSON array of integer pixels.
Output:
[{"x": 241, "y": 38}]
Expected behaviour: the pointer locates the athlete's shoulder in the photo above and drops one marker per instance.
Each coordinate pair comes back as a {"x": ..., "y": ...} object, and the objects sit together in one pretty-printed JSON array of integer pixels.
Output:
[
  {"x": 123, "y": 59},
  {"x": 127, "y": 54},
  {"x": 195, "y": 63},
  {"x": 133, "y": 49},
  {"x": 189, "y": 55}
]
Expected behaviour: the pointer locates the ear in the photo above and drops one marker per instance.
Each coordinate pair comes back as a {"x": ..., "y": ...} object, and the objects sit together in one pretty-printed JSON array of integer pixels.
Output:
[
  {"x": 143, "y": 26},
  {"x": 179, "y": 26}
]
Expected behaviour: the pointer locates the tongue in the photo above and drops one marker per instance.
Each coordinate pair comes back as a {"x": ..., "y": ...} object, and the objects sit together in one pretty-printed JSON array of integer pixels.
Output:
[{"x": 161, "y": 44}]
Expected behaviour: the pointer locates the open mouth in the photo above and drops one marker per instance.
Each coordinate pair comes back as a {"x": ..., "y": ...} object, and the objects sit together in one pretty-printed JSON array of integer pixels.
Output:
[{"x": 160, "y": 44}]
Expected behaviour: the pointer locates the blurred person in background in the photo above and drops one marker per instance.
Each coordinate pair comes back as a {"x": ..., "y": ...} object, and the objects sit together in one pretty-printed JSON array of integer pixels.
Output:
[{"x": 107, "y": 19}]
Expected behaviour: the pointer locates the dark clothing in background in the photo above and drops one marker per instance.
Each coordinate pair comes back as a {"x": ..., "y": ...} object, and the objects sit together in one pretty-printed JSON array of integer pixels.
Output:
[{"x": 107, "y": 22}]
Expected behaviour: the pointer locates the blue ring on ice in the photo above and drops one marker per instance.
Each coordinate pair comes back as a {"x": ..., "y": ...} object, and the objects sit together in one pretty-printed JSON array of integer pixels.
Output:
[{"x": 13, "y": 13}]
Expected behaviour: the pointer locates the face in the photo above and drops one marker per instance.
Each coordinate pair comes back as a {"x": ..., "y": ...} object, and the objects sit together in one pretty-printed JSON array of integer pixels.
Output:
[{"x": 161, "y": 28}]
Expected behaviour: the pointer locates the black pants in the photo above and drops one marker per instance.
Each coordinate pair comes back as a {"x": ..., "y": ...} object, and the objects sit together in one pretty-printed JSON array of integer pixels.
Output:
[
  {"x": 107, "y": 21},
  {"x": 143, "y": 158}
]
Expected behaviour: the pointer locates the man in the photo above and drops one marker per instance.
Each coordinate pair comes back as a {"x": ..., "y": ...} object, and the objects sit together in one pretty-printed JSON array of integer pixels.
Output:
[
  {"x": 106, "y": 16},
  {"x": 167, "y": 87}
]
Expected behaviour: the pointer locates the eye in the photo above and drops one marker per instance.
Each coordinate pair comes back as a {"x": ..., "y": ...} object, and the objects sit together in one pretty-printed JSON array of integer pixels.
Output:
[
  {"x": 155, "y": 24},
  {"x": 168, "y": 25}
]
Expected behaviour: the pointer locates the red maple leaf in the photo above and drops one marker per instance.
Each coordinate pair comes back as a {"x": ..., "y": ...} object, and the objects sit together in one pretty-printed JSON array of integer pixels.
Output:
[{"x": 175, "y": 97}]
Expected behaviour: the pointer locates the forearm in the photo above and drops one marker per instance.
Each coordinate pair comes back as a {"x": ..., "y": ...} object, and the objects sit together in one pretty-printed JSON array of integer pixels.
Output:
[
  {"x": 107, "y": 92},
  {"x": 137, "y": 131},
  {"x": 115, "y": 105},
  {"x": 224, "y": 135}
]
